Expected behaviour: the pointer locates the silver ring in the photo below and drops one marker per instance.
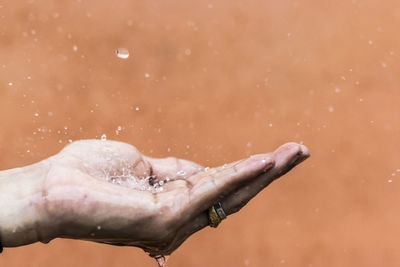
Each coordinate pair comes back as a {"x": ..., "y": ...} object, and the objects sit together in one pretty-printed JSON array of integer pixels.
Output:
[{"x": 220, "y": 211}]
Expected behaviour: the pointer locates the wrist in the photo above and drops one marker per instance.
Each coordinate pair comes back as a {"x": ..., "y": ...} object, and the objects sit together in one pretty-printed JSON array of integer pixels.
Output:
[{"x": 23, "y": 218}]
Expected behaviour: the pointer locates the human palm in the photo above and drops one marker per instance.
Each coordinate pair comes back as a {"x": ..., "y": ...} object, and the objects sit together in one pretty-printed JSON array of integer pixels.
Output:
[{"x": 108, "y": 192}]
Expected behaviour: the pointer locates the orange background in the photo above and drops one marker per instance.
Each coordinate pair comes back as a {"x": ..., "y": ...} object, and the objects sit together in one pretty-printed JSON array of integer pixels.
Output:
[{"x": 227, "y": 79}]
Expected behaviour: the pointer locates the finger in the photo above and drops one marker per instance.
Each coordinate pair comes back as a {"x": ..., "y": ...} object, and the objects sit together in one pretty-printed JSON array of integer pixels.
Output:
[
  {"x": 170, "y": 169},
  {"x": 209, "y": 186},
  {"x": 285, "y": 157}
]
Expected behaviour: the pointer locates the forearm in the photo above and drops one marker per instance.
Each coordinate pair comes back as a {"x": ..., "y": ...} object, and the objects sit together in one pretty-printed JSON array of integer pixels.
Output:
[{"x": 21, "y": 204}]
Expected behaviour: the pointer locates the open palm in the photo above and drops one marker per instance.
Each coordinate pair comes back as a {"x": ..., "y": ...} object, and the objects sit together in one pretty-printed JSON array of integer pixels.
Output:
[{"x": 107, "y": 191}]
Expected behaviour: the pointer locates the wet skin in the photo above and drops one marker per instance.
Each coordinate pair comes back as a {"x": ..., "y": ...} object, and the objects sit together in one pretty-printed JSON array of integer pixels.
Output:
[{"x": 69, "y": 195}]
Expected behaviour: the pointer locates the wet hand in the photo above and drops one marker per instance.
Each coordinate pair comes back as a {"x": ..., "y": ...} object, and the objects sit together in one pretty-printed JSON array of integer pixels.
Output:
[{"x": 108, "y": 192}]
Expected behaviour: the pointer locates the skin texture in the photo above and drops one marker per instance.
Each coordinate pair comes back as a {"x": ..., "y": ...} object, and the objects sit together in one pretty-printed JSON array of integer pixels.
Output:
[{"x": 83, "y": 193}]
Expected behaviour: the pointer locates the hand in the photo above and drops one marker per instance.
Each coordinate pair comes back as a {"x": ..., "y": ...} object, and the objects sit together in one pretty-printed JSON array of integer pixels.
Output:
[{"x": 108, "y": 192}]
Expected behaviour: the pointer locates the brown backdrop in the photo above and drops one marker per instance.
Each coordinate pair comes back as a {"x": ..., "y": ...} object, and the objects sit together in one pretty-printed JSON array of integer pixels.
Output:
[{"x": 214, "y": 82}]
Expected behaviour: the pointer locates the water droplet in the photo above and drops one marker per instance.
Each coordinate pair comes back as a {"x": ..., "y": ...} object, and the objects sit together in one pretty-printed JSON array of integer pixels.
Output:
[
  {"x": 147, "y": 75},
  {"x": 122, "y": 53},
  {"x": 137, "y": 108},
  {"x": 103, "y": 137},
  {"x": 270, "y": 124},
  {"x": 98, "y": 227},
  {"x": 389, "y": 181},
  {"x": 161, "y": 260},
  {"x": 10, "y": 83},
  {"x": 330, "y": 109},
  {"x": 36, "y": 114},
  {"x": 370, "y": 42},
  {"x": 181, "y": 172},
  {"x": 75, "y": 48}
]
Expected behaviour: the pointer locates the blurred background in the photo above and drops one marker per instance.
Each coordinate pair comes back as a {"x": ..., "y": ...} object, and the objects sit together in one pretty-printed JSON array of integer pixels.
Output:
[{"x": 215, "y": 81}]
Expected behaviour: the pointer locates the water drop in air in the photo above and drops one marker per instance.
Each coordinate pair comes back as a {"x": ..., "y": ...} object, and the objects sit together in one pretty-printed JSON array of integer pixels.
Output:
[{"x": 122, "y": 53}]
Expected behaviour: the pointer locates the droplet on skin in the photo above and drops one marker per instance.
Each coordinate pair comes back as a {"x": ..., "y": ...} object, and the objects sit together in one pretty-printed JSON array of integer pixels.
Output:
[
  {"x": 330, "y": 109},
  {"x": 147, "y": 75},
  {"x": 10, "y": 83},
  {"x": 389, "y": 181},
  {"x": 75, "y": 48},
  {"x": 103, "y": 137},
  {"x": 122, "y": 53},
  {"x": 181, "y": 172}
]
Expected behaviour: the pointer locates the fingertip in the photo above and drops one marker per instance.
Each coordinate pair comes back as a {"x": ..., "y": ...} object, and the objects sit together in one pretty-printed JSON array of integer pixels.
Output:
[{"x": 291, "y": 153}]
